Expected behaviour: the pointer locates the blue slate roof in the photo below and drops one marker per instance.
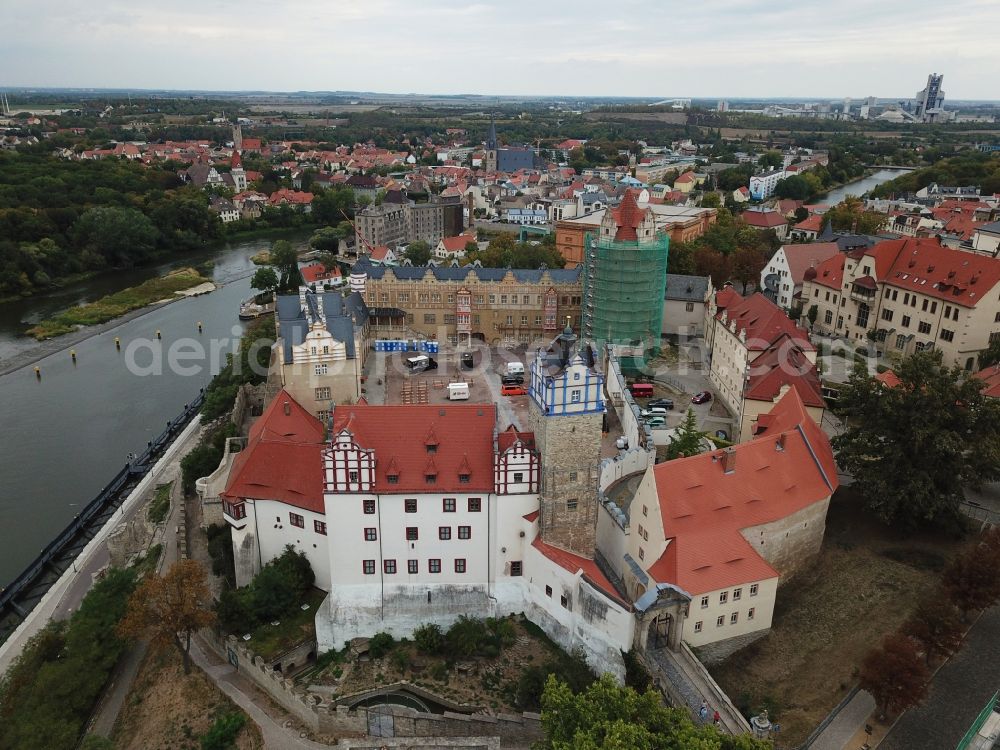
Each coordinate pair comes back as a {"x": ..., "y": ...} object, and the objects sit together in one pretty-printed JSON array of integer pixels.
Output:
[
  {"x": 687, "y": 288},
  {"x": 343, "y": 314}
]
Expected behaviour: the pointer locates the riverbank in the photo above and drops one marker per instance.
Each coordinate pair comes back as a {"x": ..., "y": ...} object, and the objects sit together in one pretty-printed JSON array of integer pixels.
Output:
[{"x": 120, "y": 303}]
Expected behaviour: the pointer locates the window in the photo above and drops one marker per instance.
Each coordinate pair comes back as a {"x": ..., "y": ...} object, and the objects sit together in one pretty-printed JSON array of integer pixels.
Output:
[
  {"x": 369, "y": 507},
  {"x": 572, "y": 476},
  {"x": 564, "y": 601},
  {"x": 933, "y": 307},
  {"x": 503, "y": 299},
  {"x": 723, "y": 597},
  {"x": 463, "y": 478},
  {"x": 434, "y": 565},
  {"x": 448, "y": 504},
  {"x": 392, "y": 478},
  {"x": 389, "y": 566},
  {"x": 296, "y": 520},
  {"x": 753, "y": 589},
  {"x": 704, "y": 602},
  {"x": 737, "y": 593},
  {"x": 720, "y": 621},
  {"x": 924, "y": 306},
  {"x": 524, "y": 320},
  {"x": 906, "y": 321},
  {"x": 863, "y": 312},
  {"x": 412, "y": 533},
  {"x": 320, "y": 369},
  {"x": 924, "y": 327},
  {"x": 689, "y": 307},
  {"x": 548, "y": 591},
  {"x": 465, "y": 532},
  {"x": 368, "y": 567},
  {"x": 518, "y": 477},
  {"x": 697, "y": 626},
  {"x": 886, "y": 314},
  {"x": 901, "y": 341},
  {"x": 444, "y": 532},
  {"x": 410, "y": 505},
  {"x": 460, "y": 565},
  {"x": 642, "y": 554},
  {"x": 828, "y": 317},
  {"x": 734, "y": 618},
  {"x": 235, "y": 511},
  {"x": 947, "y": 335},
  {"x": 352, "y": 476},
  {"x": 371, "y": 535},
  {"x": 475, "y": 504},
  {"x": 412, "y": 566},
  {"x": 323, "y": 394},
  {"x": 319, "y": 527},
  {"x": 430, "y": 318},
  {"x": 571, "y": 504},
  {"x": 515, "y": 570},
  {"x": 750, "y": 613},
  {"x": 645, "y": 510}
]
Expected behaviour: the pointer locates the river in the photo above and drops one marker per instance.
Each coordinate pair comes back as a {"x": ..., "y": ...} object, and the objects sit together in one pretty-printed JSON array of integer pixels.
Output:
[
  {"x": 860, "y": 187},
  {"x": 62, "y": 437}
]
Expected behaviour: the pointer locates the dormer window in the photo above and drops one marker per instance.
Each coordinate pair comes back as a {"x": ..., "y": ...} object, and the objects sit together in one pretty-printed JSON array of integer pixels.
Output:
[
  {"x": 432, "y": 448},
  {"x": 463, "y": 478},
  {"x": 430, "y": 478},
  {"x": 392, "y": 478}
]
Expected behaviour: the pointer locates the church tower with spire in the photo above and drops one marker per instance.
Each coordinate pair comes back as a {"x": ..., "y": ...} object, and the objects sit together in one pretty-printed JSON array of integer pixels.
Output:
[
  {"x": 491, "y": 146},
  {"x": 566, "y": 413},
  {"x": 239, "y": 174}
]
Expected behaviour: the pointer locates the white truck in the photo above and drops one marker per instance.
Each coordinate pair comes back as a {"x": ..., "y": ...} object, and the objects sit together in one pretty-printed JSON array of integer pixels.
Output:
[{"x": 458, "y": 391}]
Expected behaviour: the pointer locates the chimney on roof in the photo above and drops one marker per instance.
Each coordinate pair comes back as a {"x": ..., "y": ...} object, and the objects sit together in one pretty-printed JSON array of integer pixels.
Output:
[
  {"x": 288, "y": 409},
  {"x": 780, "y": 445},
  {"x": 729, "y": 460}
]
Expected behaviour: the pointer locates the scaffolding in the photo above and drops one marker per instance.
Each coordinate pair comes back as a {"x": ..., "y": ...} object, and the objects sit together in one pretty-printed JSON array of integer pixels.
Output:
[{"x": 623, "y": 288}]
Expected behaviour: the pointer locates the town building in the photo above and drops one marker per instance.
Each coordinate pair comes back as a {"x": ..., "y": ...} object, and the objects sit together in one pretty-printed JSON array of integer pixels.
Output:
[
  {"x": 782, "y": 276},
  {"x": 323, "y": 341},
  {"x": 624, "y": 273},
  {"x": 224, "y": 209},
  {"x": 765, "y": 220},
  {"x": 743, "y": 329},
  {"x": 913, "y": 294},
  {"x": 684, "y": 301},
  {"x": 394, "y": 224},
  {"x": 499, "y": 306},
  {"x": 986, "y": 240},
  {"x": 762, "y": 185}
]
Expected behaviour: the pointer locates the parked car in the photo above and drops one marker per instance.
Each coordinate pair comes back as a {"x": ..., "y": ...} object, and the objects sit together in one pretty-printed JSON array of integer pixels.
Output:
[
  {"x": 512, "y": 380},
  {"x": 655, "y": 422},
  {"x": 513, "y": 390},
  {"x": 701, "y": 398},
  {"x": 664, "y": 403},
  {"x": 656, "y": 411}
]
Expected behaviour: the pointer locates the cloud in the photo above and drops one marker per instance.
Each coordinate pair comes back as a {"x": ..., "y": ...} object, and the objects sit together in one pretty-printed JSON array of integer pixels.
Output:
[{"x": 627, "y": 48}]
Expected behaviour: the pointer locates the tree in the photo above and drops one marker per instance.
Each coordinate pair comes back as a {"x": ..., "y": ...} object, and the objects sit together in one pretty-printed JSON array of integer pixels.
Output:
[
  {"x": 913, "y": 449},
  {"x": 119, "y": 236},
  {"x": 771, "y": 159},
  {"x": 711, "y": 200},
  {"x": 795, "y": 187},
  {"x": 688, "y": 438},
  {"x": 169, "y": 609},
  {"x": 849, "y": 215},
  {"x": 709, "y": 262},
  {"x": 680, "y": 259},
  {"x": 895, "y": 674},
  {"x": 748, "y": 262},
  {"x": 935, "y": 624},
  {"x": 606, "y": 716},
  {"x": 418, "y": 253},
  {"x": 326, "y": 240},
  {"x": 972, "y": 580},
  {"x": 990, "y": 356},
  {"x": 285, "y": 260},
  {"x": 812, "y": 314},
  {"x": 265, "y": 279}
]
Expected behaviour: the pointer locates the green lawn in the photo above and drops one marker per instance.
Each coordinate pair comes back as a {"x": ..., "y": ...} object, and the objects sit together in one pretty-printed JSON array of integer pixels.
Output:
[
  {"x": 117, "y": 304},
  {"x": 270, "y": 640}
]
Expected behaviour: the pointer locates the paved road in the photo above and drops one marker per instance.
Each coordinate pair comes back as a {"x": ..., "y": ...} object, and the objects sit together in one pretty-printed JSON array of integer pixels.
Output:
[
  {"x": 958, "y": 693},
  {"x": 846, "y": 724}
]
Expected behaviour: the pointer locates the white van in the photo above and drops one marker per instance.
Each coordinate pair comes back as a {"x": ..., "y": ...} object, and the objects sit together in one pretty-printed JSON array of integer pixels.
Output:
[
  {"x": 458, "y": 391},
  {"x": 419, "y": 363},
  {"x": 515, "y": 368}
]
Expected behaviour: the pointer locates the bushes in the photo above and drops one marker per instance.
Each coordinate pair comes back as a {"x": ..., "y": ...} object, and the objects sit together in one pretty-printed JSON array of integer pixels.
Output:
[
  {"x": 380, "y": 645},
  {"x": 472, "y": 637},
  {"x": 572, "y": 669},
  {"x": 248, "y": 366},
  {"x": 205, "y": 458},
  {"x": 220, "y": 548},
  {"x": 222, "y": 734},
  {"x": 428, "y": 639},
  {"x": 276, "y": 590},
  {"x": 47, "y": 696}
]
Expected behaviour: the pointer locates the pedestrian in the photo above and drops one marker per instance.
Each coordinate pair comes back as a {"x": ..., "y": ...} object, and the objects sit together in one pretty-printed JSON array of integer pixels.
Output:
[
  {"x": 703, "y": 712},
  {"x": 716, "y": 719}
]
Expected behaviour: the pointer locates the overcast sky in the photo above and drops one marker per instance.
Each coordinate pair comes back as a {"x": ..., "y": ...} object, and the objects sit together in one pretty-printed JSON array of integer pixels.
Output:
[{"x": 660, "y": 48}]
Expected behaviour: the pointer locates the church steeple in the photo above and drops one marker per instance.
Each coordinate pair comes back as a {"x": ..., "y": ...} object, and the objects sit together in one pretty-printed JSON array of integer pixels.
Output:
[{"x": 491, "y": 138}]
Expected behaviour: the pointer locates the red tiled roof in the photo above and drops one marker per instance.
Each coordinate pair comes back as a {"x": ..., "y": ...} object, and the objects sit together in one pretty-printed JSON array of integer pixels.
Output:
[
  {"x": 784, "y": 363},
  {"x": 830, "y": 273},
  {"x": 727, "y": 296},
  {"x": 685, "y": 178},
  {"x": 764, "y": 322},
  {"x": 812, "y": 223},
  {"x": 991, "y": 376},
  {"x": 283, "y": 458},
  {"x": 704, "y": 509},
  {"x": 508, "y": 437},
  {"x": 924, "y": 265},
  {"x": 317, "y": 272},
  {"x": 888, "y": 378},
  {"x": 574, "y": 564},
  {"x": 801, "y": 257},
  {"x": 454, "y": 244},
  {"x": 627, "y": 217},
  {"x": 461, "y": 433},
  {"x": 380, "y": 252},
  {"x": 763, "y": 219}
]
